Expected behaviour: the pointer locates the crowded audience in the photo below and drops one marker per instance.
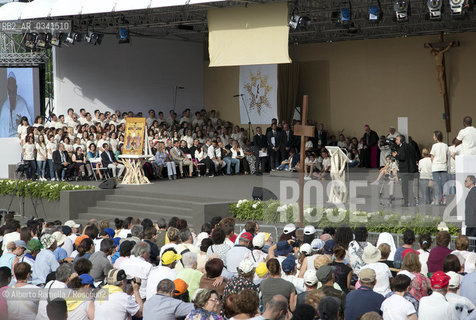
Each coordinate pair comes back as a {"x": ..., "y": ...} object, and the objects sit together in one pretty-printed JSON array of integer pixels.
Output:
[
  {"x": 165, "y": 270},
  {"x": 83, "y": 146}
]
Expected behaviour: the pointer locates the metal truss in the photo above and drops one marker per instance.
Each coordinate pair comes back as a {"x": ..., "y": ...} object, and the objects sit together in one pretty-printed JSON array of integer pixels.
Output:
[{"x": 12, "y": 53}]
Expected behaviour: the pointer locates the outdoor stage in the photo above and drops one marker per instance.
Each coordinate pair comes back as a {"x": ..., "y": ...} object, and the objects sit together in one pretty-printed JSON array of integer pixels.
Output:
[{"x": 200, "y": 198}]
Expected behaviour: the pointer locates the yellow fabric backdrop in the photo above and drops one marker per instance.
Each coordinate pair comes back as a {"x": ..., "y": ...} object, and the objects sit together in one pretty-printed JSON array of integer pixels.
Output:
[{"x": 249, "y": 35}]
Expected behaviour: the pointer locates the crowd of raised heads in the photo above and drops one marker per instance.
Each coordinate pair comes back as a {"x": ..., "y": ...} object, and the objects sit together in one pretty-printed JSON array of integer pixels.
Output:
[
  {"x": 180, "y": 146},
  {"x": 165, "y": 270}
]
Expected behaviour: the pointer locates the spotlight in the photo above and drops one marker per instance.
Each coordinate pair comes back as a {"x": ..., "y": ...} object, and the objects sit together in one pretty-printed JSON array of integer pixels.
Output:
[
  {"x": 73, "y": 37},
  {"x": 124, "y": 35},
  {"x": 434, "y": 9},
  {"x": 345, "y": 17},
  {"x": 296, "y": 21},
  {"x": 30, "y": 40},
  {"x": 93, "y": 38},
  {"x": 401, "y": 8},
  {"x": 43, "y": 40},
  {"x": 458, "y": 7},
  {"x": 374, "y": 13},
  {"x": 57, "y": 39}
]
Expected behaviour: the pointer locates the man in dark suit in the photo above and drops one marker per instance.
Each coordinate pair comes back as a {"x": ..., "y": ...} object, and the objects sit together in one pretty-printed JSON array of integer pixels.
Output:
[
  {"x": 470, "y": 206},
  {"x": 109, "y": 161},
  {"x": 62, "y": 163},
  {"x": 321, "y": 136},
  {"x": 287, "y": 141},
  {"x": 407, "y": 168},
  {"x": 274, "y": 145},
  {"x": 260, "y": 143},
  {"x": 273, "y": 121}
]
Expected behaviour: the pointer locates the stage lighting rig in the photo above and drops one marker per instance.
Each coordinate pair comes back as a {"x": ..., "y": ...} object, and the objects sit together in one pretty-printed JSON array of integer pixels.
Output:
[
  {"x": 434, "y": 9},
  {"x": 297, "y": 21},
  {"x": 345, "y": 17},
  {"x": 93, "y": 38},
  {"x": 30, "y": 40},
  {"x": 124, "y": 35},
  {"x": 43, "y": 40},
  {"x": 374, "y": 14},
  {"x": 73, "y": 37},
  {"x": 57, "y": 39},
  {"x": 459, "y": 7},
  {"x": 402, "y": 8}
]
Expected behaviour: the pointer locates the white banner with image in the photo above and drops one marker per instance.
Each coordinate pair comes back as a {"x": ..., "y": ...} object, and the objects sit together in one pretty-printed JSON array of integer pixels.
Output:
[{"x": 259, "y": 89}]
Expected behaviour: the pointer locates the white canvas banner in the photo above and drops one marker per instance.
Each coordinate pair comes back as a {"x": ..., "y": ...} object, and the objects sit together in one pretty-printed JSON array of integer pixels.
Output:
[{"x": 259, "y": 90}]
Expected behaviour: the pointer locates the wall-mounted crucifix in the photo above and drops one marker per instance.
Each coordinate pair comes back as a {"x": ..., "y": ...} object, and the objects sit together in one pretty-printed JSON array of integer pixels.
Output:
[{"x": 438, "y": 50}]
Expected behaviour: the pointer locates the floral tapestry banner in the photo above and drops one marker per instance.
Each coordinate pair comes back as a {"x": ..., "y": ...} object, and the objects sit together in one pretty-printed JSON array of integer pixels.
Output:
[{"x": 259, "y": 90}]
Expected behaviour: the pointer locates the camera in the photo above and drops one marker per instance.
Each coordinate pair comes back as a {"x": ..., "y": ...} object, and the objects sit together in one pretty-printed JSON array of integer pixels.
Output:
[
  {"x": 297, "y": 243},
  {"x": 22, "y": 167},
  {"x": 129, "y": 281}
]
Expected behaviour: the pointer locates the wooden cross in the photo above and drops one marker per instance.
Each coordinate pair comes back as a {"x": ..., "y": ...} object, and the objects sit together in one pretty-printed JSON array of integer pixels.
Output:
[
  {"x": 438, "y": 50},
  {"x": 304, "y": 131}
]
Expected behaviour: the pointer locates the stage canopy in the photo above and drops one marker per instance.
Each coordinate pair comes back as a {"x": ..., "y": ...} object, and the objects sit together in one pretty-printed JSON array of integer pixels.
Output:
[{"x": 40, "y": 9}]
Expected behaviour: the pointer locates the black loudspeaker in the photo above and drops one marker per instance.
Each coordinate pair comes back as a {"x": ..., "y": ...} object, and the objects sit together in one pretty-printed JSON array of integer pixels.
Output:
[
  {"x": 110, "y": 183},
  {"x": 263, "y": 194}
]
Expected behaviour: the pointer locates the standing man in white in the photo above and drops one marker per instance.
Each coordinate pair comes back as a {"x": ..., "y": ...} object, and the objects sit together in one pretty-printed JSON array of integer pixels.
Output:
[{"x": 467, "y": 138}]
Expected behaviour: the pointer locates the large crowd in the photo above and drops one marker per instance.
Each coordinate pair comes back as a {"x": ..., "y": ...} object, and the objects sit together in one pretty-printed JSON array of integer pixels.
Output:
[
  {"x": 83, "y": 146},
  {"x": 162, "y": 270}
]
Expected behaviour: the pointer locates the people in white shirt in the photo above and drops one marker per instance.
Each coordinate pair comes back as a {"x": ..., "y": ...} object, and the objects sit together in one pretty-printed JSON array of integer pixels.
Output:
[
  {"x": 467, "y": 137},
  {"x": 137, "y": 266},
  {"x": 439, "y": 160},
  {"x": 396, "y": 307}
]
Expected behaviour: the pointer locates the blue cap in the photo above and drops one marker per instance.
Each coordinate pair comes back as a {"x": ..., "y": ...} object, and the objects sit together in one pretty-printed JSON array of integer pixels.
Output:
[
  {"x": 289, "y": 263},
  {"x": 283, "y": 248},
  {"x": 86, "y": 279},
  {"x": 329, "y": 246},
  {"x": 110, "y": 232}
]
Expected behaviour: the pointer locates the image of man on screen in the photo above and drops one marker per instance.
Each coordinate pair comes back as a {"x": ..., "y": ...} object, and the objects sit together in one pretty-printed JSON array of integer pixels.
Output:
[
  {"x": 470, "y": 206},
  {"x": 13, "y": 109}
]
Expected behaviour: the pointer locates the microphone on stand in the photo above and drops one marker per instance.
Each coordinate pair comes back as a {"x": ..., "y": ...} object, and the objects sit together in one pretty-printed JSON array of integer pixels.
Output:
[{"x": 237, "y": 95}]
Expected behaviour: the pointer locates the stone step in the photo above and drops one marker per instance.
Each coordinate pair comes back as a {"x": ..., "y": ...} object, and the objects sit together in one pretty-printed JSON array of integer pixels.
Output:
[
  {"x": 162, "y": 201},
  {"x": 143, "y": 207},
  {"x": 112, "y": 213},
  {"x": 172, "y": 196}
]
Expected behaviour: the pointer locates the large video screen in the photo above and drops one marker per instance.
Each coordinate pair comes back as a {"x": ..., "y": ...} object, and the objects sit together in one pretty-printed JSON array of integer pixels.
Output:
[{"x": 19, "y": 97}]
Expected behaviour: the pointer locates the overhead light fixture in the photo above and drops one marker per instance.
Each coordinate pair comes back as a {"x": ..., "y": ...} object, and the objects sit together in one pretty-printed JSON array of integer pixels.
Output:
[
  {"x": 57, "y": 39},
  {"x": 30, "y": 40},
  {"x": 93, "y": 38},
  {"x": 43, "y": 40},
  {"x": 73, "y": 37},
  {"x": 458, "y": 7},
  {"x": 124, "y": 35},
  {"x": 374, "y": 14},
  {"x": 434, "y": 9},
  {"x": 299, "y": 22},
  {"x": 401, "y": 8},
  {"x": 345, "y": 17}
]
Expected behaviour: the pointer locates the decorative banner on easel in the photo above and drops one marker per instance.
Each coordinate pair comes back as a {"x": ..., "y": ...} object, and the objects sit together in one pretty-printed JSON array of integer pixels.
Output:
[
  {"x": 134, "y": 138},
  {"x": 259, "y": 87}
]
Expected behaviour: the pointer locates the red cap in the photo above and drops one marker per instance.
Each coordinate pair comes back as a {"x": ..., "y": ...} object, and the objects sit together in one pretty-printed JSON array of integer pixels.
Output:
[
  {"x": 439, "y": 280},
  {"x": 246, "y": 235},
  {"x": 409, "y": 250}
]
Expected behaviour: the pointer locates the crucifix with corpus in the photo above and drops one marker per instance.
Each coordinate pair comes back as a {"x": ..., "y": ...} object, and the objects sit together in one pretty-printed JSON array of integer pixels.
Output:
[
  {"x": 438, "y": 50},
  {"x": 304, "y": 131}
]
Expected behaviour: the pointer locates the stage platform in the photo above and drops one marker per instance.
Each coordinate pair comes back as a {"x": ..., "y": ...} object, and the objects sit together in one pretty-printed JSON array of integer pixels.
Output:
[{"x": 198, "y": 199}]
